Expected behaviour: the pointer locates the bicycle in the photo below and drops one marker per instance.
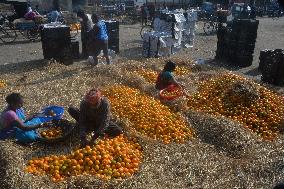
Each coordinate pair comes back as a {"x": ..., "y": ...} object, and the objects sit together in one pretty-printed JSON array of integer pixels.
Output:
[
  {"x": 7, "y": 35},
  {"x": 10, "y": 31}
]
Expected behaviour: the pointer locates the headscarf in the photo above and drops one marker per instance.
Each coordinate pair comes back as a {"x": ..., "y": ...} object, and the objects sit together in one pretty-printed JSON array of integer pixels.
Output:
[{"x": 93, "y": 96}]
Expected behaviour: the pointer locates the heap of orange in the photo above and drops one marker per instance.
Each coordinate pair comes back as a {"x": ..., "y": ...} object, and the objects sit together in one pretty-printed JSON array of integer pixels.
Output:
[
  {"x": 262, "y": 116},
  {"x": 148, "y": 75},
  {"x": 118, "y": 158},
  {"x": 147, "y": 115},
  {"x": 2, "y": 83},
  {"x": 181, "y": 70},
  {"x": 52, "y": 132}
]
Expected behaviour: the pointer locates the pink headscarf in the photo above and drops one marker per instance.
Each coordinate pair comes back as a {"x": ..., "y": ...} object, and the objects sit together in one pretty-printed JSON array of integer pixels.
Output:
[{"x": 93, "y": 96}]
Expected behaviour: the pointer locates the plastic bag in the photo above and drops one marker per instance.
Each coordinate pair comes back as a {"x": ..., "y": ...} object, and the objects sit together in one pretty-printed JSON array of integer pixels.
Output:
[{"x": 91, "y": 60}]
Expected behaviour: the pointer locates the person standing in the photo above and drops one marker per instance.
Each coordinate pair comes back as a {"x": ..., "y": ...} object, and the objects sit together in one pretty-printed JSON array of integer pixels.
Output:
[
  {"x": 86, "y": 27},
  {"x": 98, "y": 40},
  {"x": 145, "y": 14},
  {"x": 152, "y": 10}
]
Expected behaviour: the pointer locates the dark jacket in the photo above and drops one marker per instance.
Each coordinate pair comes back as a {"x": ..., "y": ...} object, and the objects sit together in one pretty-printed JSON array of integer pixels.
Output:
[{"x": 94, "y": 119}]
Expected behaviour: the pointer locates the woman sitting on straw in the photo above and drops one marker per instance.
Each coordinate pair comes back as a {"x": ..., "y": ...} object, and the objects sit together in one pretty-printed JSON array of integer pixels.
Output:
[
  {"x": 14, "y": 123},
  {"x": 94, "y": 116},
  {"x": 166, "y": 78}
]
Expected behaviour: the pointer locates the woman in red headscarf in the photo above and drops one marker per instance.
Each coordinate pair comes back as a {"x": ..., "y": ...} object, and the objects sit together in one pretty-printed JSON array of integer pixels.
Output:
[{"x": 94, "y": 116}]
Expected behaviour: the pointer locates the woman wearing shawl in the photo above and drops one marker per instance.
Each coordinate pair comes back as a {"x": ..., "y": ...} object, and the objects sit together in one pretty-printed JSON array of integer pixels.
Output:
[
  {"x": 14, "y": 124},
  {"x": 166, "y": 78},
  {"x": 94, "y": 116}
]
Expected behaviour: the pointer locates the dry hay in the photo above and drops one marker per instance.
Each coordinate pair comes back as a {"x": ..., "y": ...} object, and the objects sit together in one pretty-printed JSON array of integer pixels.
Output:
[
  {"x": 245, "y": 91},
  {"x": 223, "y": 155},
  {"x": 225, "y": 134}
]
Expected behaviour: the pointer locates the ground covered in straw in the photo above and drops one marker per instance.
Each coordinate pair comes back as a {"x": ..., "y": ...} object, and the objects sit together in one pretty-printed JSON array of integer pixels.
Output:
[{"x": 222, "y": 153}]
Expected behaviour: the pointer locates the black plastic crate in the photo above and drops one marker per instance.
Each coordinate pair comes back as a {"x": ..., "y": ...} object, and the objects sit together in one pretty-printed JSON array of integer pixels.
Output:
[
  {"x": 113, "y": 34},
  {"x": 271, "y": 66},
  {"x": 55, "y": 33},
  {"x": 56, "y": 44},
  {"x": 243, "y": 61}
]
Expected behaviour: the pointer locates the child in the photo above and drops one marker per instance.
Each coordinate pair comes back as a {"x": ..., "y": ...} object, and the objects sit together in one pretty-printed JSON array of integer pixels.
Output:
[{"x": 166, "y": 78}]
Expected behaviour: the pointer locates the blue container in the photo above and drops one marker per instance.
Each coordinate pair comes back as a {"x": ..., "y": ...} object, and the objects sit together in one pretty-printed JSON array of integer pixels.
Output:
[{"x": 58, "y": 110}]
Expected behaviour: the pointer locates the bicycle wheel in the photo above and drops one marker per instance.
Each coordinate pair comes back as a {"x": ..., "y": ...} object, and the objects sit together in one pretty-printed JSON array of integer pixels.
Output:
[
  {"x": 7, "y": 35},
  {"x": 208, "y": 28},
  {"x": 74, "y": 30},
  {"x": 33, "y": 34},
  {"x": 145, "y": 29}
]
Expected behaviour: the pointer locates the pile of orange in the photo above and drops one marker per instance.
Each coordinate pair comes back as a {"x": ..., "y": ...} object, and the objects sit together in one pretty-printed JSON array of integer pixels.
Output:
[
  {"x": 147, "y": 115},
  {"x": 149, "y": 75},
  {"x": 52, "y": 132},
  {"x": 117, "y": 158},
  {"x": 2, "y": 83},
  {"x": 261, "y": 116},
  {"x": 181, "y": 70}
]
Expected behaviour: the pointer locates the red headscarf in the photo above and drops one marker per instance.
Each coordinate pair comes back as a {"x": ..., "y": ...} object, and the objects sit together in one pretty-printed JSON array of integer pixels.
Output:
[{"x": 93, "y": 96}]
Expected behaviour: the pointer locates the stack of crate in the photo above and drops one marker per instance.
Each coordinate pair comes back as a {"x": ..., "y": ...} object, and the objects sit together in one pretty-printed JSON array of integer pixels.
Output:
[
  {"x": 56, "y": 43},
  {"x": 236, "y": 45},
  {"x": 271, "y": 65},
  {"x": 113, "y": 34}
]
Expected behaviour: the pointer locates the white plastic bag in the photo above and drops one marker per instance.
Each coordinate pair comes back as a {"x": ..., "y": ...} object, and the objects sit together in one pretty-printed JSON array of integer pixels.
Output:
[{"x": 91, "y": 60}]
